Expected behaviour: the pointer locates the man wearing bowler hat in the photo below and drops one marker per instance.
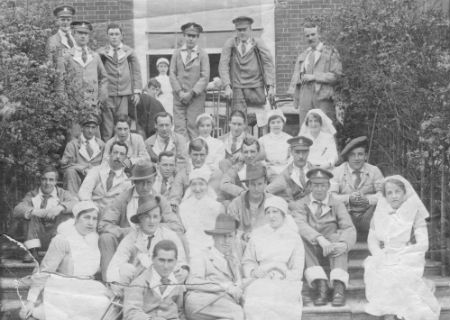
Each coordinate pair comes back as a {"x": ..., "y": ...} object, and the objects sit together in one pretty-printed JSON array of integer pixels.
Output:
[
  {"x": 116, "y": 222},
  {"x": 189, "y": 76},
  {"x": 292, "y": 184},
  {"x": 59, "y": 43},
  {"x": 328, "y": 233},
  {"x": 82, "y": 154},
  {"x": 357, "y": 184},
  {"x": 246, "y": 68},
  {"x": 215, "y": 281}
]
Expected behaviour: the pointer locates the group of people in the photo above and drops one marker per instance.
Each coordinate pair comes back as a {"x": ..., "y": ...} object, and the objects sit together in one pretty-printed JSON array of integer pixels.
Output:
[{"x": 178, "y": 224}]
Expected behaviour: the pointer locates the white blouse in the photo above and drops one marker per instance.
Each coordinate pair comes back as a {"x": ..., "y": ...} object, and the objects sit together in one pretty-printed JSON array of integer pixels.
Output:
[{"x": 323, "y": 152}]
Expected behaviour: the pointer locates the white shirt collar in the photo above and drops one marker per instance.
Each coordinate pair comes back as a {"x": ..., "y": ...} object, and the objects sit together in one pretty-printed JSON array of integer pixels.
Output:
[
  {"x": 184, "y": 48},
  {"x": 53, "y": 194},
  {"x": 324, "y": 201}
]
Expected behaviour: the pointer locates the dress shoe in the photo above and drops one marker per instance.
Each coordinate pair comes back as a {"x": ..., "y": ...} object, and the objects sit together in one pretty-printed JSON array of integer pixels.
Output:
[
  {"x": 322, "y": 292},
  {"x": 338, "y": 294}
]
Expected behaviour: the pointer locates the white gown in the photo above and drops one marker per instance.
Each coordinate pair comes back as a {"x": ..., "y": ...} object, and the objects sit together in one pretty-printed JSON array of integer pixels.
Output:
[{"x": 166, "y": 98}]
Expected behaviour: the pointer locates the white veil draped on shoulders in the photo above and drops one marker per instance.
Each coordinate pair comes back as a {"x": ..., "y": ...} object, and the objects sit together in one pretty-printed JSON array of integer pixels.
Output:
[{"x": 327, "y": 123}]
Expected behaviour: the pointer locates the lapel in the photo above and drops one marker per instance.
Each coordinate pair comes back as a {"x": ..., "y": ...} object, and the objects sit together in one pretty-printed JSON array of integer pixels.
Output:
[
  {"x": 155, "y": 282},
  {"x": 220, "y": 264},
  {"x": 62, "y": 40},
  {"x": 80, "y": 61}
]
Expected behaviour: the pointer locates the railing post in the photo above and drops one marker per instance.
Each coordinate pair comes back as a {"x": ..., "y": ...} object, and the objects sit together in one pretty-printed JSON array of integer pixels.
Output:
[
  {"x": 433, "y": 251},
  {"x": 443, "y": 242}
]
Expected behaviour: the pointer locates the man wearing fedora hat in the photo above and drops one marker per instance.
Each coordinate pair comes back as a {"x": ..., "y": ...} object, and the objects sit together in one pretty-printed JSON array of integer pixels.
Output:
[
  {"x": 328, "y": 233},
  {"x": 134, "y": 251},
  {"x": 215, "y": 281},
  {"x": 189, "y": 76},
  {"x": 357, "y": 184},
  {"x": 246, "y": 67},
  {"x": 292, "y": 184},
  {"x": 82, "y": 154},
  {"x": 116, "y": 222},
  {"x": 62, "y": 40}
]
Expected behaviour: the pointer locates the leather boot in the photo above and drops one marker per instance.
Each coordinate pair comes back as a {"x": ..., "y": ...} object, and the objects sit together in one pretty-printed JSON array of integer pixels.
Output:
[
  {"x": 338, "y": 294},
  {"x": 322, "y": 292}
]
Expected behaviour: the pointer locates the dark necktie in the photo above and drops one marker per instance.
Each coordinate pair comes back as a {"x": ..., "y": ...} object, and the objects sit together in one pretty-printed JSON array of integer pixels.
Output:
[
  {"x": 89, "y": 149},
  {"x": 231, "y": 266},
  {"x": 109, "y": 181},
  {"x": 115, "y": 55},
  {"x": 357, "y": 179},
  {"x": 302, "y": 177},
  {"x": 164, "y": 284},
  {"x": 149, "y": 243},
  {"x": 84, "y": 54},
  {"x": 311, "y": 62},
  {"x": 163, "y": 186},
  {"x": 69, "y": 40},
  {"x": 234, "y": 145},
  {"x": 44, "y": 202},
  {"x": 319, "y": 210}
]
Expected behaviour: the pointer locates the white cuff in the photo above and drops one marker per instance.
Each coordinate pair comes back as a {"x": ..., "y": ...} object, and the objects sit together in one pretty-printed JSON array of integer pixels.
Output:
[
  {"x": 339, "y": 274},
  {"x": 32, "y": 244},
  {"x": 314, "y": 273}
]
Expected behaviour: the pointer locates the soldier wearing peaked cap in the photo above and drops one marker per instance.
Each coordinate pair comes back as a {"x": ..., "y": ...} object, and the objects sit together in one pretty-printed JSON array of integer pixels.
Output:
[
  {"x": 328, "y": 233},
  {"x": 291, "y": 184},
  {"x": 189, "y": 76},
  {"x": 62, "y": 40}
]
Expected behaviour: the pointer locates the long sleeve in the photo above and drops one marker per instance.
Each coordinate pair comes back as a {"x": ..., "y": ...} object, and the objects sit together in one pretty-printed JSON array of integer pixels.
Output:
[
  {"x": 168, "y": 217},
  {"x": 267, "y": 62},
  {"x": 120, "y": 258},
  {"x": 88, "y": 185},
  {"x": 301, "y": 219},
  {"x": 224, "y": 63},
  {"x": 67, "y": 200},
  {"x": 110, "y": 222},
  {"x": 140, "y": 152},
  {"x": 173, "y": 72},
  {"x": 135, "y": 72},
  {"x": 69, "y": 157},
  {"x": 249, "y": 262},
  {"x": 335, "y": 71},
  {"x": 278, "y": 187},
  {"x": 372, "y": 241},
  {"x": 179, "y": 185},
  {"x": 181, "y": 150},
  {"x": 227, "y": 184},
  {"x": 133, "y": 304},
  {"x": 200, "y": 85},
  {"x": 102, "y": 80},
  {"x": 296, "y": 262},
  {"x": 296, "y": 74},
  {"x": 24, "y": 208},
  {"x": 61, "y": 75},
  {"x": 347, "y": 231}
]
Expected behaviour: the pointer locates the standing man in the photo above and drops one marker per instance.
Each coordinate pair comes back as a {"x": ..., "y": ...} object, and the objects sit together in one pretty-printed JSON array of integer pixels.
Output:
[
  {"x": 215, "y": 282},
  {"x": 328, "y": 233},
  {"x": 317, "y": 70},
  {"x": 291, "y": 184},
  {"x": 124, "y": 79},
  {"x": 246, "y": 68},
  {"x": 43, "y": 210},
  {"x": 59, "y": 43},
  {"x": 189, "y": 76},
  {"x": 82, "y": 154}
]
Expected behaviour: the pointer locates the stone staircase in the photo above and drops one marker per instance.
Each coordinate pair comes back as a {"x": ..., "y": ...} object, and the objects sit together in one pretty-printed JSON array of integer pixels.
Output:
[{"x": 12, "y": 269}]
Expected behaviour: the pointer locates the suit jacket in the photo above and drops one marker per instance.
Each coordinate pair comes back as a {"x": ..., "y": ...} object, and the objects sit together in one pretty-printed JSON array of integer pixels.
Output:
[
  {"x": 24, "y": 208},
  {"x": 136, "y": 148},
  {"x": 179, "y": 147},
  {"x": 335, "y": 224},
  {"x": 232, "y": 156},
  {"x": 327, "y": 70},
  {"x": 77, "y": 158},
  {"x": 142, "y": 301},
  {"x": 115, "y": 220},
  {"x": 124, "y": 77},
  {"x": 146, "y": 109},
  {"x": 56, "y": 47},
  {"x": 285, "y": 187},
  {"x": 231, "y": 185},
  {"x": 239, "y": 208},
  {"x": 86, "y": 83},
  {"x": 192, "y": 76},
  {"x": 244, "y": 71}
]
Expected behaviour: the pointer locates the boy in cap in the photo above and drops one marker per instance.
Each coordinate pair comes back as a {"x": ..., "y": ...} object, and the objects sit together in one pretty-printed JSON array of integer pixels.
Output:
[
  {"x": 189, "y": 76},
  {"x": 317, "y": 70},
  {"x": 328, "y": 233},
  {"x": 124, "y": 79},
  {"x": 357, "y": 184},
  {"x": 291, "y": 184},
  {"x": 82, "y": 154},
  {"x": 246, "y": 68},
  {"x": 215, "y": 281},
  {"x": 59, "y": 43}
]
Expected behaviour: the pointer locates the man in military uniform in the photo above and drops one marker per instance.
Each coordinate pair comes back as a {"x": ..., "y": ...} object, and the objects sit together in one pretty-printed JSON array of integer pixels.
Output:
[
  {"x": 317, "y": 70},
  {"x": 59, "y": 43}
]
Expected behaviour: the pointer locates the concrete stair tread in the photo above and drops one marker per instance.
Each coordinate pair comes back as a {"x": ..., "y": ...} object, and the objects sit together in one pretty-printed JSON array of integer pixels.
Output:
[
  {"x": 356, "y": 263},
  {"x": 439, "y": 281}
]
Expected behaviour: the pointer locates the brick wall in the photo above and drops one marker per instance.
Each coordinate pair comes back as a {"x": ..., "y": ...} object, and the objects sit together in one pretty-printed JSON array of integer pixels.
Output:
[{"x": 289, "y": 40}]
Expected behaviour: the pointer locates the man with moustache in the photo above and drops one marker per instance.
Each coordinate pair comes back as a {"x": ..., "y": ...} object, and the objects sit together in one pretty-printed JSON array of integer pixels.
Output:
[
  {"x": 59, "y": 43},
  {"x": 316, "y": 72}
]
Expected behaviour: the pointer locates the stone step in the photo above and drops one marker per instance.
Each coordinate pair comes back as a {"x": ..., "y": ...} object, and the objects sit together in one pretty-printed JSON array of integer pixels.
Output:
[
  {"x": 13, "y": 268},
  {"x": 10, "y": 288},
  {"x": 359, "y": 251}
]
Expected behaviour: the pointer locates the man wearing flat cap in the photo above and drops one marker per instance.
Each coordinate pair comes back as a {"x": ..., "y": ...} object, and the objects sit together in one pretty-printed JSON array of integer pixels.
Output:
[
  {"x": 357, "y": 184},
  {"x": 316, "y": 72},
  {"x": 292, "y": 183},
  {"x": 116, "y": 222},
  {"x": 215, "y": 281},
  {"x": 82, "y": 154},
  {"x": 189, "y": 76},
  {"x": 246, "y": 68},
  {"x": 328, "y": 235},
  {"x": 59, "y": 43},
  {"x": 81, "y": 75},
  {"x": 124, "y": 79}
]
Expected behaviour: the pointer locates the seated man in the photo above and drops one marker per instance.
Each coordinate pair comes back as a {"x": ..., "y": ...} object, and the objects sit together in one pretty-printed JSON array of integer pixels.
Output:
[
  {"x": 134, "y": 251},
  {"x": 115, "y": 223},
  {"x": 328, "y": 233},
  {"x": 198, "y": 151},
  {"x": 166, "y": 140},
  {"x": 215, "y": 282},
  {"x": 43, "y": 210},
  {"x": 81, "y": 154},
  {"x": 357, "y": 184},
  {"x": 150, "y": 295},
  {"x": 291, "y": 184},
  {"x": 231, "y": 184},
  {"x": 166, "y": 172},
  {"x": 105, "y": 182},
  {"x": 134, "y": 141}
]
